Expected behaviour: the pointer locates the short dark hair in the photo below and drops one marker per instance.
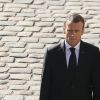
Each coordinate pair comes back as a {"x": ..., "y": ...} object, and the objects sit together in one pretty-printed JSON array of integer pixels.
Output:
[{"x": 74, "y": 17}]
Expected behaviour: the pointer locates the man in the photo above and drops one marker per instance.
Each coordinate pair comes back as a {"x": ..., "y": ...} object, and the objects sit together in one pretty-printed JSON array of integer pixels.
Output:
[{"x": 71, "y": 68}]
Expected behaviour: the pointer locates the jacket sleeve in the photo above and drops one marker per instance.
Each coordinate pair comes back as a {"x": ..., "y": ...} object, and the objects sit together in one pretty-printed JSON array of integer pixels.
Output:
[{"x": 46, "y": 78}]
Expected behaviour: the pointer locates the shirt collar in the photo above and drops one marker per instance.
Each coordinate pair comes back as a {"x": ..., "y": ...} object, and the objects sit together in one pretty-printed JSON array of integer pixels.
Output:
[{"x": 67, "y": 46}]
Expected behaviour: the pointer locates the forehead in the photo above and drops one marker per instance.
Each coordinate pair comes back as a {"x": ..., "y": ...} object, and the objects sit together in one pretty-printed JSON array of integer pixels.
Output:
[{"x": 74, "y": 25}]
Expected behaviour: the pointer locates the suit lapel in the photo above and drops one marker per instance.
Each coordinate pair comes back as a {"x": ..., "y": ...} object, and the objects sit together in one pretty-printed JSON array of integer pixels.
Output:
[
  {"x": 82, "y": 54},
  {"x": 63, "y": 55}
]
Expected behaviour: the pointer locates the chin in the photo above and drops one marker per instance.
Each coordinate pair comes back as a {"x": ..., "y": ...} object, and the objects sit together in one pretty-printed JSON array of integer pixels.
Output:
[{"x": 73, "y": 43}]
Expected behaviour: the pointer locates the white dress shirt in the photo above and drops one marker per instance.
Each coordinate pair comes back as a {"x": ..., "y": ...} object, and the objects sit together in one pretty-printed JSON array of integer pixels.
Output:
[{"x": 68, "y": 52}]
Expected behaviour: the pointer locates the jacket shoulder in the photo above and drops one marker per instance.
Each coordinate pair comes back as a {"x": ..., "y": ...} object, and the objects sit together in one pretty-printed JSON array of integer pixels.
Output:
[
  {"x": 89, "y": 46},
  {"x": 53, "y": 47}
]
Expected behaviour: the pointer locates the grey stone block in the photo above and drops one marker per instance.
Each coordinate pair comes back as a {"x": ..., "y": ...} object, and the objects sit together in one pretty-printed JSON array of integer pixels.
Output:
[
  {"x": 14, "y": 97},
  {"x": 23, "y": 1}
]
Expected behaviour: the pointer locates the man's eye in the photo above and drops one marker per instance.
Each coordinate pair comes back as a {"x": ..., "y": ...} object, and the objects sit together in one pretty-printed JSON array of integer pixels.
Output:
[
  {"x": 76, "y": 31},
  {"x": 69, "y": 31}
]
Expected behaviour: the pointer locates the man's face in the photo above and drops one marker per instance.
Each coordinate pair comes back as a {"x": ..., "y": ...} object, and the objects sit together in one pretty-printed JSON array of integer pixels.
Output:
[{"x": 73, "y": 32}]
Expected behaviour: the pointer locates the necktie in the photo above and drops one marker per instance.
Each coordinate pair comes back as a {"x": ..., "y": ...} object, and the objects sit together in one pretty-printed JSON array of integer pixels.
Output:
[{"x": 72, "y": 59}]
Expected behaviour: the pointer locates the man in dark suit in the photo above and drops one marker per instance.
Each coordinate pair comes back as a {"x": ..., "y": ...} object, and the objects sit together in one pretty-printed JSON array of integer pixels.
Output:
[{"x": 72, "y": 67}]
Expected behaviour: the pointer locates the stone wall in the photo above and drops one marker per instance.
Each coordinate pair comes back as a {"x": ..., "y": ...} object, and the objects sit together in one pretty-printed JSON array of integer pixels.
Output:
[{"x": 27, "y": 27}]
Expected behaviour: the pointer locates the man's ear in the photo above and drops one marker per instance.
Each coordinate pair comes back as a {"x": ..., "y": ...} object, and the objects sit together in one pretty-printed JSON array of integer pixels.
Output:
[
  {"x": 83, "y": 32},
  {"x": 64, "y": 30},
  {"x": 64, "y": 26}
]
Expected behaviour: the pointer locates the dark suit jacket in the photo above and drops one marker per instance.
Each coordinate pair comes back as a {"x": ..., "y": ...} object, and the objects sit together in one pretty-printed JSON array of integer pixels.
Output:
[{"x": 58, "y": 83}]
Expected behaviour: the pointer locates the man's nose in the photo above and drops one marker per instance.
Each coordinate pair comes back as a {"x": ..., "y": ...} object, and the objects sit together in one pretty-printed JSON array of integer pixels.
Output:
[{"x": 73, "y": 32}]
